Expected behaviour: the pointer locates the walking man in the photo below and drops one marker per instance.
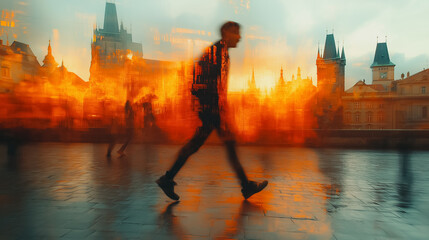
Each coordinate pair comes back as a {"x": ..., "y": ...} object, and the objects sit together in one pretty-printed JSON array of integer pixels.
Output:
[
  {"x": 210, "y": 88},
  {"x": 129, "y": 124}
]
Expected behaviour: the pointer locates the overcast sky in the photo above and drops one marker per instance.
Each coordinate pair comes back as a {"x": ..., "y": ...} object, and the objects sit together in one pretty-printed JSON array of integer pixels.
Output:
[{"x": 275, "y": 33}]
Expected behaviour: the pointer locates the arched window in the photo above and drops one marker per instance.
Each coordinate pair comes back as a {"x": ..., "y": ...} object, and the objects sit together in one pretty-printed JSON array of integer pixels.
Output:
[{"x": 357, "y": 117}]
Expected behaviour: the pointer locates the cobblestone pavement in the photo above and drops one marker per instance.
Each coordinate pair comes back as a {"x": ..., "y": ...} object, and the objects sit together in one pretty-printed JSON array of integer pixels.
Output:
[{"x": 72, "y": 191}]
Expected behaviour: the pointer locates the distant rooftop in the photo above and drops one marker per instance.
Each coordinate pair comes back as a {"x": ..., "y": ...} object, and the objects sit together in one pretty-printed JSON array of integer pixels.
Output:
[
  {"x": 330, "y": 51},
  {"x": 381, "y": 57},
  {"x": 19, "y": 47}
]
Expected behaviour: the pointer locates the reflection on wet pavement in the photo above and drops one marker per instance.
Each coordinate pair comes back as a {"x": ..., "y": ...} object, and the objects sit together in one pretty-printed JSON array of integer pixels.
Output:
[{"x": 72, "y": 191}]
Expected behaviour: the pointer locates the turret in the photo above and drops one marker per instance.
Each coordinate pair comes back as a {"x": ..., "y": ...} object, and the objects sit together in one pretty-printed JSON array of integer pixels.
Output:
[
  {"x": 49, "y": 61},
  {"x": 383, "y": 70}
]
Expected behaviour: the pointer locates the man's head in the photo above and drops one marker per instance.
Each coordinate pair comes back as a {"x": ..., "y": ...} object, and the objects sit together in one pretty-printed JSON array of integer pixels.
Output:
[{"x": 230, "y": 32}]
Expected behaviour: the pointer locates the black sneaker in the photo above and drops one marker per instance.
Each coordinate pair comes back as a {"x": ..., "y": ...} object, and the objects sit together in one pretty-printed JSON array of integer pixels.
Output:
[
  {"x": 252, "y": 188},
  {"x": 167, "y": 185}
]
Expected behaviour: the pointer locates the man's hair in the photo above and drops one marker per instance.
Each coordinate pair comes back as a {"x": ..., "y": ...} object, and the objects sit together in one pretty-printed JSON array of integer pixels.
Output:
[{"x": 227, "y": 26}]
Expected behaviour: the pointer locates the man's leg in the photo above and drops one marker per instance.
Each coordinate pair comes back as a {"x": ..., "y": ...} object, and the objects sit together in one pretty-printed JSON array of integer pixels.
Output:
[
  {"x": 200, "y": 136},
  {"x": 235, "y": 163},
  {"x": 228, "y": 138},
  {"x": 248, "y": 187},
  {"x": 130, "y": 134},
  {"x": 111, "y": 146},
  {"x": 166, "y": 182}
]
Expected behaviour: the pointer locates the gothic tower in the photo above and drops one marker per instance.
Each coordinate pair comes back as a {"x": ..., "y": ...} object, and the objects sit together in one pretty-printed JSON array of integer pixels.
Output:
[
  {"x": 383, "y": 70},
  {"x": 331, "y": 68},
  {"x": 113, "y": 44},
  {"x": 330, "y": 84},
  {"x": 114, "y": 57}
]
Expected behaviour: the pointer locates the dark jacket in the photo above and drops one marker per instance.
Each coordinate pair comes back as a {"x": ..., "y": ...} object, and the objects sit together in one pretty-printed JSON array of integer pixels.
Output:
[{"x": 210, "y": 79}]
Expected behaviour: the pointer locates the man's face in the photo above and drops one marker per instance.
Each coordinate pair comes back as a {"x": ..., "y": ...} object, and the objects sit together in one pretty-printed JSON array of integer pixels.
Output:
[{"x": 232, "y": 37}]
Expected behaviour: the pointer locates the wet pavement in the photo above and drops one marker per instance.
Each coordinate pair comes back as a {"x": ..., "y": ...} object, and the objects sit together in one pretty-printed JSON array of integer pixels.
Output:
[{"x": 72, "y": 191}]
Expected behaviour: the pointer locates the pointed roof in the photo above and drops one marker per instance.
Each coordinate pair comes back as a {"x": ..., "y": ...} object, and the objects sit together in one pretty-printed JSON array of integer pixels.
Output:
[
  {"x": 281, "y": 80},
  {"x": 343, "y": 55},
  {"x": 330, "y": 49},
  {"x": 381, "y": 57},
  {"x": 49, "y": 60},
  {"x": 19, "y": 47},
  {"x": 111, "y": 18},
  {"x": 62, "y": 67},
  {"x": 338, "y": 51}
]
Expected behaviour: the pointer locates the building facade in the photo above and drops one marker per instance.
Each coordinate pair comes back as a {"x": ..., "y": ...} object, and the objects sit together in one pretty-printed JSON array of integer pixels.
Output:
[
  {"x": 387, "y": 103},
  {"x": 17, "y": 62}
]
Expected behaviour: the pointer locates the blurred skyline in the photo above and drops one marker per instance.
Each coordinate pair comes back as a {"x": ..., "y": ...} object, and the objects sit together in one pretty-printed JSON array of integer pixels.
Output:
[{"x": 275, "y": 34}]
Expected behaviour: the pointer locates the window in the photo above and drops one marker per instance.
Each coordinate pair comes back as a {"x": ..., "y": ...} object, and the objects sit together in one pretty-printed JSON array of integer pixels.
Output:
[
  {"x": 424, "y": 112},
  {"x": 369, "y": 117},
  {"x": 357, "y": 117},
  {"x": 423, "y": 90},
  {"x": 5, "y": 72},
  {"x": 357, "y": 105},
  {"x": 348, "y": 117}
]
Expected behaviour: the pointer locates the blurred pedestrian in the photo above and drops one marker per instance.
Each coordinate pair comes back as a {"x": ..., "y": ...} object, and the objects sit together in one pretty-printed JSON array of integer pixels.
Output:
[{"x": 210, "y": 88}]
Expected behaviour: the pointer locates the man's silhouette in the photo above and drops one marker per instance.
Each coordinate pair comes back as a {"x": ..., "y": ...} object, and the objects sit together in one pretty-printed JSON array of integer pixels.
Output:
[
  {"x": 210, "y": 88},
  {"x": 129, "y": 124}
]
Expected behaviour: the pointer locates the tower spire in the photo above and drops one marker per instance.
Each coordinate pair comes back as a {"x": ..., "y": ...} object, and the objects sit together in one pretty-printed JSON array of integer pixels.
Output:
[
  {"x": 49, "y": 48},
  {"x": 318, "y": 50},
  {"x": 111, "y": 18},
  {"x": 281, "y": 80},
  {"x": 330, "y": 50},
  {"x": 49, "y": 60},
  {"x": 338, "y": 49}
]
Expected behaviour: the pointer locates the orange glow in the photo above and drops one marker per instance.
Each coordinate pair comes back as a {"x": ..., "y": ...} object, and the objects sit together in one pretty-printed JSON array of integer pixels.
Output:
[
  {"x": 51, "y": 96},
  {"x": 68, "y": 100}
]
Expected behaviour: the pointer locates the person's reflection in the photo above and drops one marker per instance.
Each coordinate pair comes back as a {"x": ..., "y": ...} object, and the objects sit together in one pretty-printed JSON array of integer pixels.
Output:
[
  {"x": 332, "y": 166},
  {"x": 405, "y": 178},
  {"x": 13, "y": 144},
  {"x": 234, "y": 227},
  {"x": 112, "y": 186},
  {"x": 171, "y": 222}
]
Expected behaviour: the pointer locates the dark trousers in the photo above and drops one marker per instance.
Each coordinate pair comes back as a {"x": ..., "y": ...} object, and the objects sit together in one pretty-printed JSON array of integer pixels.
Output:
[
  {"x": 128, "y": 136},
  {"x": 209, "y": 123}
]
